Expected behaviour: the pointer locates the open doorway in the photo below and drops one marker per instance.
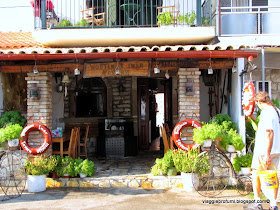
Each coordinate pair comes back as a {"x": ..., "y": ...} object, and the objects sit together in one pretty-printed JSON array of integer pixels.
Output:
[{"x": 154, "y": 109}]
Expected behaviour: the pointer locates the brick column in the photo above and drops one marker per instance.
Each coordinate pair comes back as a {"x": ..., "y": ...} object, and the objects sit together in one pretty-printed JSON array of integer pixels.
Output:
[
  {"x": 188, "y": 95},
  {"x": 39, "y": 110}
]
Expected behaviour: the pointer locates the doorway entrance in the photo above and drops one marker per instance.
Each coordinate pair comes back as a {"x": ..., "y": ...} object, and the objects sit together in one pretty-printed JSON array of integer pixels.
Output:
[{"x": 154, "y": 109}]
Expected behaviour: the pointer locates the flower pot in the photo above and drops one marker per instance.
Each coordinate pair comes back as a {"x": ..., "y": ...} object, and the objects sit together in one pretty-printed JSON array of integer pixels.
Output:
[
  {"x": 245, "y": 171},
  {"x": 82, "y": 175},
  {"x": 36, "y": 183},
  {"x": 207, "y": 143},
  {"x": 231, "y": 148},
  {"x": 171, "y": 171},
  {"x": 65, "y": 176},
  {"x": 188, "y": 183},
  {"x": 13, "y": 143}
]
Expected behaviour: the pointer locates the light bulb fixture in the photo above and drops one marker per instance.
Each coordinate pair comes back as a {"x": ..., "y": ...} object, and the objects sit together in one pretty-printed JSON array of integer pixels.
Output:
[
  {"x": 117, "y": 69},
  {"x": 65, "y": 79},
  {"x": 77, "y": 72},
  {"x": 167, "y": 76},
  {"x": 210, "y": 70},
  {"x": 234, "y": 68},
  {"x": 35, "y": 69},
  {"x": 156, "y": 70}
]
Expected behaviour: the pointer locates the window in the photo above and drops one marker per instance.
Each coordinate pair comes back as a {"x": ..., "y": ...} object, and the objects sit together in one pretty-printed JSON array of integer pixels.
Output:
[
  {"x": 91, "y": 95},
  {"x": 258, "y": 85}
]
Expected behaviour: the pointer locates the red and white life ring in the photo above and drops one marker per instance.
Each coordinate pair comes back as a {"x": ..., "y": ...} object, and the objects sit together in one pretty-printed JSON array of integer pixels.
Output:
[
  {"x": 176, "y": 134},
  {"x": 248, "y": 98},
  {"x": 24, "y": 138}
]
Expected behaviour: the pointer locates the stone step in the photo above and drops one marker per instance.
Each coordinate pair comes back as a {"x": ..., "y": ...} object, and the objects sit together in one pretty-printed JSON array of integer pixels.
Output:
[{"x": 131, "y": 181}]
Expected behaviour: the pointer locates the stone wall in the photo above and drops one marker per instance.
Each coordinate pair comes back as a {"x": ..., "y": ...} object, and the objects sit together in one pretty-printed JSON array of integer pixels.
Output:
[
  {"x": 39, "y": 110},
  {"x": 188, "y": 96},
  {"x": 121, "y": 93}
]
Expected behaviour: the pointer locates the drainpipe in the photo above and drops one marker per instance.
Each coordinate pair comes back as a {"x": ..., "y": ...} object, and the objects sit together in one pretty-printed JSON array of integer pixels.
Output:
[
  {"x": 198, "y": 12},
  {"x": 43, "y": 14},
  {"x": 263, "y": 71}
]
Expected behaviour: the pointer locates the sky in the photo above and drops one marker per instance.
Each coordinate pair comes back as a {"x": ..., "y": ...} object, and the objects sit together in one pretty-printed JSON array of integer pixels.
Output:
[{"x": 16, "y": 15}]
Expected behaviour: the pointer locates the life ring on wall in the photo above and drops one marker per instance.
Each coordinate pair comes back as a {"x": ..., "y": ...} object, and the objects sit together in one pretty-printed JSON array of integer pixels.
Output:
[
  {"x": 248, "y": 98},
  {"x": 176, "y": 134},
  {"x": 24, "y": 138}
]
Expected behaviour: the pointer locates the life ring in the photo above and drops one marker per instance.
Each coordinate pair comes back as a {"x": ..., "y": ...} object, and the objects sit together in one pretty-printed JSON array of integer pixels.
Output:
[
  {"x": 24, "y": 138},
  {"x": 248, "y": 98},
  {"x": 176, "y": 134}
]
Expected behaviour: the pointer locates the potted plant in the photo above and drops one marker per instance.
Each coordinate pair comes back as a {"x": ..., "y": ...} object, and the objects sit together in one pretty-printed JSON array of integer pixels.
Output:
[
  {"x": 83, "y": 22},
  {"x": 12, "y": 117},
  {"x": 165, "y": 165},
  {"x": 207, "y": 133},
  {"x": 11, "y": 134},
  {"x": 37, "y": 168},
  {"x": 243, "y": 163},
  {"x": 186, "y": 162},
  {"x": 165, "y": 18},
  {"x": 188, "y": 18},
  {"x": 84, "y": 167},
  {"x": 66, "y": 167}
]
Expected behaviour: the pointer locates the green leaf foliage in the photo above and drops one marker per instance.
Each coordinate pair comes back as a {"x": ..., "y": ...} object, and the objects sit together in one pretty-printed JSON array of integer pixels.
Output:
[
  {"x": 162, "y": 165},
  {"x": 83, "y": 22},
  {"x": 10, "y": 132},
  {"x": 242, "y": 161},
  {"x": 64, "y": 23},
  {"x": 66, "y": 166},
  {"x": 165, "y": 18},
  {"x": 187, "y": 161},
  {"x": 40, "y": 165},
  {"x": 12, "y": 117},
  {"x": 86, "y": 167}
]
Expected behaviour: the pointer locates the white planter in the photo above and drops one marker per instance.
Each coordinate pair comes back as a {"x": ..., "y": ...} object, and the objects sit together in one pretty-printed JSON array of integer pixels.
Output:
[
  {"x": 188, "y": 183},
  {"x": 207, "y": 143},
  {"x": 36, "y": 183},
  {"x": 82, "y": 175},
  {"x": 245, "y": 171},
  {"x": 231, "y": 148},
  {"x": 13, "y": 142}
]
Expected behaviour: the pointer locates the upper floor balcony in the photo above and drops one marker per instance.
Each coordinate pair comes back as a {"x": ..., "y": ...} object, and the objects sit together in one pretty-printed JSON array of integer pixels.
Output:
[
  {"x": 229, "y": 18},
  {"x": 113, "y": 13}
]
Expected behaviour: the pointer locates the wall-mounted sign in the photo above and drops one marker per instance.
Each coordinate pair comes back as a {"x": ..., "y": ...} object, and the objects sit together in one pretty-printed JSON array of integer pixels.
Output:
[{"x": 127, "y": 68}]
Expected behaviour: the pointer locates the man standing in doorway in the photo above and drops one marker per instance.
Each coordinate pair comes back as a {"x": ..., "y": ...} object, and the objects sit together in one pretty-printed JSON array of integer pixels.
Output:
[{"x": 267, "y": 148}]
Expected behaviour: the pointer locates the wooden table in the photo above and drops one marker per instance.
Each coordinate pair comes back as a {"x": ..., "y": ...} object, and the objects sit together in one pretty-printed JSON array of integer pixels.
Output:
[{"x": 59, "y": 140}]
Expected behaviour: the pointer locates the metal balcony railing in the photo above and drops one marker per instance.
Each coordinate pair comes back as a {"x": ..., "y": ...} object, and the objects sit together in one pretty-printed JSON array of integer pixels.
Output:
[
  {"x": 111, "y": 13},
  {"x": 247, "y": 20}
]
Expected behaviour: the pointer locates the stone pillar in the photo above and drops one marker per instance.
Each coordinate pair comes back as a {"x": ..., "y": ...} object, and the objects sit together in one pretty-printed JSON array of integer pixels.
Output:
[
  {"x": 188, "y": 96},
  {"x": 39, "y": 110}
]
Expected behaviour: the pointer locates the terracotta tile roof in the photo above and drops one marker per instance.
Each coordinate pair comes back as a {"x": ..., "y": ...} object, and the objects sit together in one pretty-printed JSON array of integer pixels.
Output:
[{"x": 16, "y": 40}]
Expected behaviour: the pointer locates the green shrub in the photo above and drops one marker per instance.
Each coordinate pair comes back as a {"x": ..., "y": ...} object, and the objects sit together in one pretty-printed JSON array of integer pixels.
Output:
[
  {"x": 12, "y": 117},
  {"x": 242, "y": 161},
  {"x": 64, "y": 23},
  {"x": 162, "y": 165},
  {"x": 10, "y": 132},
  {"x": 40, "y": 165}
]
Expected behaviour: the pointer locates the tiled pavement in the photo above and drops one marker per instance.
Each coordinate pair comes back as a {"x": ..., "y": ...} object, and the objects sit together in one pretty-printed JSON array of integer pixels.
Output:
[{"x": 131, "y": 172}]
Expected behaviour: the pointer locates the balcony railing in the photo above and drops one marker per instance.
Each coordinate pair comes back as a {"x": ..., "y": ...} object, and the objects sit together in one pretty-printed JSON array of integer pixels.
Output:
[
  {"x": 109, "y": 13},
  {"x": 247, "y": 20}
]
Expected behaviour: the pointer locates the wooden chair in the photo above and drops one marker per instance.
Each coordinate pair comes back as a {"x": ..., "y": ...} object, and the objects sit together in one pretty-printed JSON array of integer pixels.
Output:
[
  {"x": 97, "y": 19},
  {"x": 169, "y": 136},
  {"x": 82, "y": 144},
  {"x": 170, "y": 9},
  {"x": 71, "y": 150},
  {"x": 165, "y": 139}
]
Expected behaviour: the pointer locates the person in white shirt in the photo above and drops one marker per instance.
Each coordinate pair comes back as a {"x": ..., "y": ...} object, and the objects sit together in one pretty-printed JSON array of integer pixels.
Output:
[{"x": 267, "y": 148}]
